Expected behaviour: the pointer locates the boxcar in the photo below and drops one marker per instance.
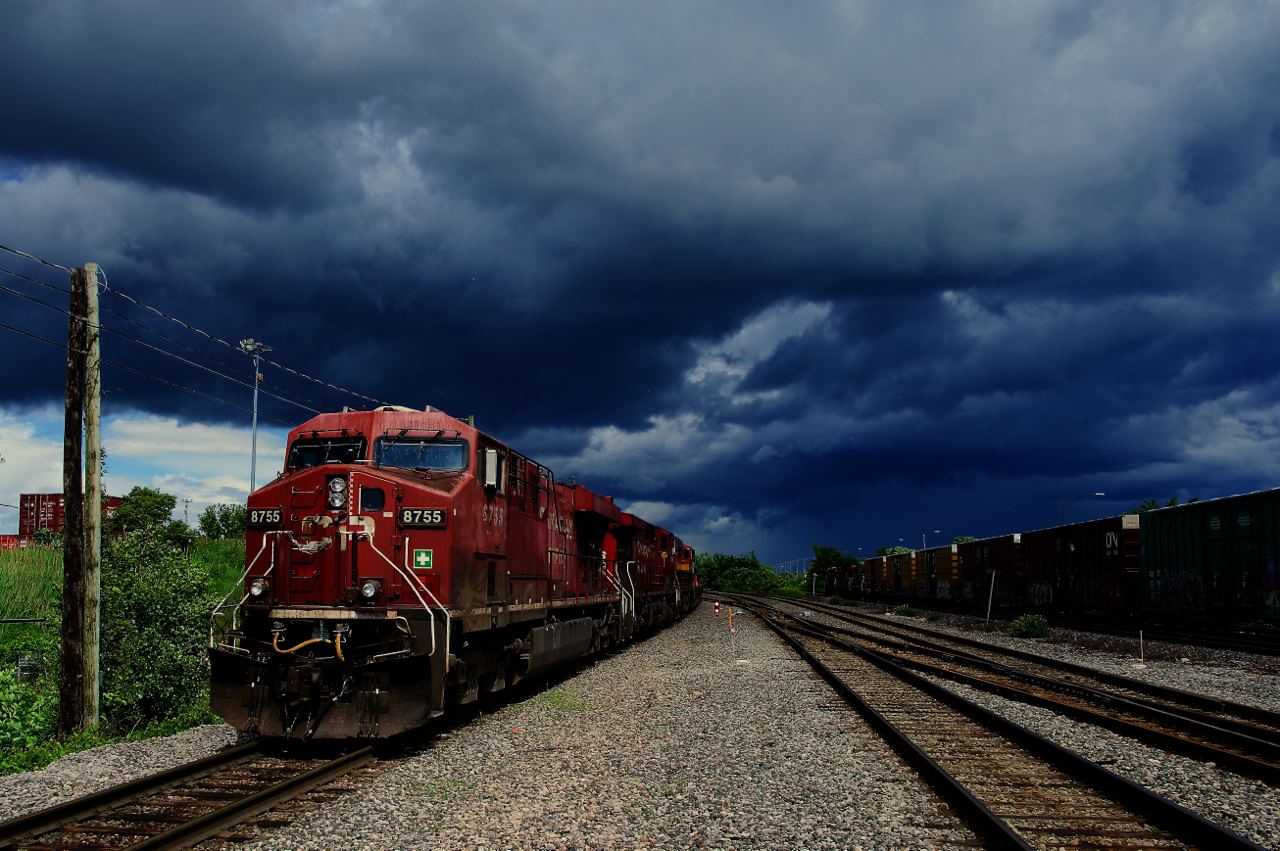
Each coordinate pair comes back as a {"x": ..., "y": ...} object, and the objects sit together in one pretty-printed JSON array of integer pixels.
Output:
[
  {"x": 936, "y": 576},
  {"x": 1090, "y": 566},
  {"x": 1215, "y": 558},
  {"x": 974, "y": 560}
]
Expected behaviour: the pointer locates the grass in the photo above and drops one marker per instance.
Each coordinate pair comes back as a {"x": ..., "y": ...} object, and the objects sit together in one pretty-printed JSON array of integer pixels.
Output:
[
  {"x": 563, "y": 699},
  {"x": 31, "y": 578},
  {"x": 904, "y": 611},
  {"x": 223, "y": 559},
  {"x": 30, "y": 582}
]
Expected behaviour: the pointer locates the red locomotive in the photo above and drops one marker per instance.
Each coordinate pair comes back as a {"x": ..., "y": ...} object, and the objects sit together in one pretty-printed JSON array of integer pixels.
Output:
[{"x": 404, "y": 562}]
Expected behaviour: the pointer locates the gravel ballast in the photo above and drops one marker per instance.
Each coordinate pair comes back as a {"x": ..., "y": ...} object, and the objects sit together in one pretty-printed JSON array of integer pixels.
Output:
[
  {"x": 693, "y": 738},
  {"x": 1245, "y": 678},
  {"x": 1249, "y": 807},
  {"x": 98, "y": 768}
]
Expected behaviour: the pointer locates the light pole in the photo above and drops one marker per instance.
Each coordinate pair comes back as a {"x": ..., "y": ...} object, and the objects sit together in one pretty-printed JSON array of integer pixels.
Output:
[
  {"x": 1073, "y": 501},
  {"x": 923, "y": 543},
  {"x": 255, "y": 349}
]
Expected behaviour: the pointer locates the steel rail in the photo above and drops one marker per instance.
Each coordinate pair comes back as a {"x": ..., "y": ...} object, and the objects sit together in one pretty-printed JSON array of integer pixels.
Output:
[
  {"x": 1263, "y": 766},
  {"x": 78, "y": 809},
  {"x": 1189, "y": 826},
  {"x": 27, "y": 831},
  {"x": 204, "y": 826},
  {"x": 1190, "y": 699},
  {"x": 990, "y": 827},
  {"x": 1270, "y": 735}
]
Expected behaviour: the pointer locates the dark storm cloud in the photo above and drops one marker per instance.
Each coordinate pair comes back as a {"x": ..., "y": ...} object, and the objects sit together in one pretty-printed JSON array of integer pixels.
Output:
[{"x": 697, "y": 253}]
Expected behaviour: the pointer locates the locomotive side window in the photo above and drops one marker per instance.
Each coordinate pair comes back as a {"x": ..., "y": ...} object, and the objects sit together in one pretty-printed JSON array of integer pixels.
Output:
[
  {"x": 489, "y": 462},
  {"x": 318, "y": 451},
  {"x": 415, "y": 453},
  {"x": 372, "y": 499}
]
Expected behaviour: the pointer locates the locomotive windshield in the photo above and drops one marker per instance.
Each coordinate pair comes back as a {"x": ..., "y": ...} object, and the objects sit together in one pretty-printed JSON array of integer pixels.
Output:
[
  {"x": 420, "y": 453},
  {"x": 317, "y": 451}
]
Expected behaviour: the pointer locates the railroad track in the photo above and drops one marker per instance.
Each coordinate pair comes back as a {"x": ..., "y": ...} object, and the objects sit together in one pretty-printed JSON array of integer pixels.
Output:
[
  {"x": 1014, "y": 788},
  {"x": 1251, "y": 719},
  {"x": 180, "y": 807},
  {"x": 1237, "y": 746}
]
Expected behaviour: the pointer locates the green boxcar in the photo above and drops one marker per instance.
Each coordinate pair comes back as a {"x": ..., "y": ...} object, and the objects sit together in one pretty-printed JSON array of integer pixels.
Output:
[{"x": 1214, "y": 559}]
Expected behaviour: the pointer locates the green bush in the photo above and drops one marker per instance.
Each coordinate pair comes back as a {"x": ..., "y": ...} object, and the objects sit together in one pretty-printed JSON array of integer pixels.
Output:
[
  {"x": 155, "y": 621},
  {"x": 26, "y": 714},
  {"x": 156, "y": 600},
  {"x": 791, "y": 593},
  {"x": 904, "y": 610},
  {"x": 1029, "y": 626},
  {"x": 932, "y": 616}
]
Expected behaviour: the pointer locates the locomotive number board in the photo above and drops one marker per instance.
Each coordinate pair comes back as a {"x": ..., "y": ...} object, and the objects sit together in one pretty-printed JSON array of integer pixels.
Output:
[
  {"x": 265, "y": 516},
  {"x": 423, "y": 516}
]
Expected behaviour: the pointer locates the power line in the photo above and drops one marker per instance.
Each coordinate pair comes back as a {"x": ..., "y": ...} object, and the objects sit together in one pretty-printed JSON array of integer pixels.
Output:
[
  {"x": 37, "y": 259},
  {"x": 207, "y": 357},
  {"x": 109, "y": 289},
  {"x": 155, "y": 349},
  {"x": 157, "y": 333},
  {"x": 34, "y": 281},
  {"x": 144, "y": 374}
]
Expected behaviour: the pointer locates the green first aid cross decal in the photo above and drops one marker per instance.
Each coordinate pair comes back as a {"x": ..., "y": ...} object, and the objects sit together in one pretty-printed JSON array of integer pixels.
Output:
[{"x": 422, "y": 559}]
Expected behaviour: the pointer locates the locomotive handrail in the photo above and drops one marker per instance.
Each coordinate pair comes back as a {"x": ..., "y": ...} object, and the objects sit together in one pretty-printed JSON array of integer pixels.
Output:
[
  {"x": 240, "y": 581},
  {"x": 614, "y": 580},
  {"x": 410, "y": 578}
]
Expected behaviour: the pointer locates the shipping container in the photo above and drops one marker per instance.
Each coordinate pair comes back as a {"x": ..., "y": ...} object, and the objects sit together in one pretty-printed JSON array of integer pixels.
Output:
[
  {"x": 1084, "y": 567},
  {"x": 9, "y": 543},
  {"x": 989, "y": 570},
  {"x": 1216, "y": 558},
  {"x": 41, "y": 511},
  {"x": 47, "y": 511}
]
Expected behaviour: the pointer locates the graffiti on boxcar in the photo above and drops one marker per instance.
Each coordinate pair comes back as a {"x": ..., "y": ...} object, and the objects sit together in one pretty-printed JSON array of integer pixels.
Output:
[
  {"x": 1177, "y": 592},
  {"x": 1040, "y": 593}
]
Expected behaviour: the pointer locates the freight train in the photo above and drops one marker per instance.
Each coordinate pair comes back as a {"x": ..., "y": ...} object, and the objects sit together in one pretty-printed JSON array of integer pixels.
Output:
[
  {"x": 1213, "y": 560},
  {"x": 404, "y": 562}
]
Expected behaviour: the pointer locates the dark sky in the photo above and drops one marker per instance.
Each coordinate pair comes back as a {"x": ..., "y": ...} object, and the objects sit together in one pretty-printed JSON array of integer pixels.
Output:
[{"x": 776, "y": 272}]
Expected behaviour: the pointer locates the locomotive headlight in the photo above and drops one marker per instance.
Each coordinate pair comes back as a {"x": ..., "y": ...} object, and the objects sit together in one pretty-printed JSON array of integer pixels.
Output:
[
  {"x": 259, "y": 588},
  {"x": 370, "y": 589},
  {"x": 337, "y": 493}
]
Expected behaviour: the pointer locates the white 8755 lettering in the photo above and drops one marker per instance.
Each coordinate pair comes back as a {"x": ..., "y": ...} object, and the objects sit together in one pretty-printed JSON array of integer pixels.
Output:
[{"x": 422, "y": 516}]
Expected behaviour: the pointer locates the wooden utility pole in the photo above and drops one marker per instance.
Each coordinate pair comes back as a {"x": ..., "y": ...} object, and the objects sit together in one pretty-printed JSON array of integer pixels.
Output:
[
  {"x": 92, "y": 496},
  {"x": 71, "y": 691}
]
